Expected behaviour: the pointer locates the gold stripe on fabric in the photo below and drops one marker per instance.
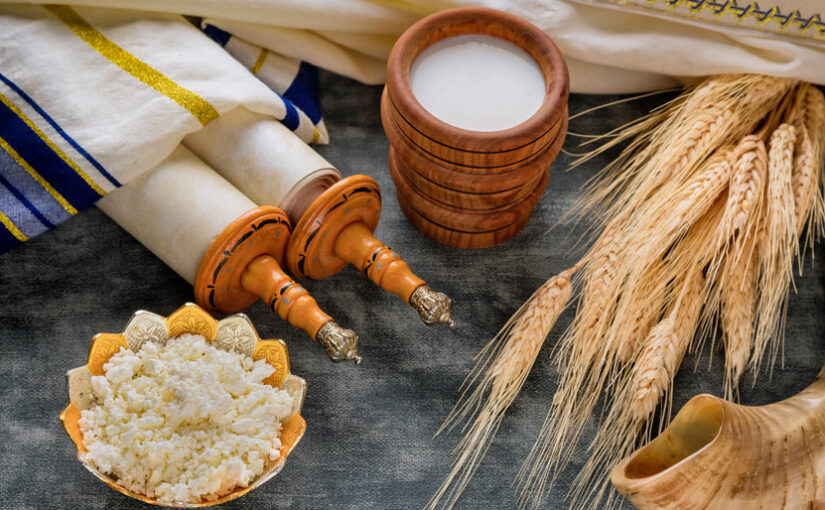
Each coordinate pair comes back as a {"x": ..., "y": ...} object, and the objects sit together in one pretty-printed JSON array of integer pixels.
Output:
[
  {"x": 315, "y": 135},
  {"x": 12, "y": 228},
  {"x": 37, "y": 177},
  {"x": 259, "y": 62},
  {"x": 195, "y": 104},
  {"x": 62, "y": 155}
]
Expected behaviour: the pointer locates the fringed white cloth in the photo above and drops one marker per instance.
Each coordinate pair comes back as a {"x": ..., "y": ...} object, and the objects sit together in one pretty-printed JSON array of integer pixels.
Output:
[{"x": 611, "y": 46}]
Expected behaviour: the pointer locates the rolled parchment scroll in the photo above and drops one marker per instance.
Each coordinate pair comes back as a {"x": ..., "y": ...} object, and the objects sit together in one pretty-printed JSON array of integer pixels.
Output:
[
  {"x": 334, "y": 218},
  {"x": 222, "y": 242},
  {"x": 240, "y": 143}
]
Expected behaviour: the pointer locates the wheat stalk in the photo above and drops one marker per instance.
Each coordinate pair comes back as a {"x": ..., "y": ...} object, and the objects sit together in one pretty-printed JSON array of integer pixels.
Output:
[
  {"x": 737, "y": 268},
  {"x": 804, "y": 180},
  {"x": 778, "y": 245},
  {"x": 656, "y": 367},
  {"x": 809, "y": 121},
  {"x": 738, "y": 293},
  {"x": 513, "y": 352},
  {"x": 666, "y": 346}
]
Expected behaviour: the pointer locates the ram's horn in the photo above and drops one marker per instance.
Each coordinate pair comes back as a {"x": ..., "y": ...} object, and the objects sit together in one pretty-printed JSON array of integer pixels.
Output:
[{"x": 717, "y": 455}]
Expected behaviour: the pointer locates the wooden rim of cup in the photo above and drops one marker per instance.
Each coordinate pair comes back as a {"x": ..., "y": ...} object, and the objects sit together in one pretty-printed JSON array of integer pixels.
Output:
[
  {"x": 400, "y": 131},
  {"x": 482, "y": 21}
]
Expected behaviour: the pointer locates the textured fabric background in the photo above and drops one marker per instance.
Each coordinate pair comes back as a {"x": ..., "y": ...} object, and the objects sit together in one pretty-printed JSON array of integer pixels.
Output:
[{"x": 368, "y": 442}]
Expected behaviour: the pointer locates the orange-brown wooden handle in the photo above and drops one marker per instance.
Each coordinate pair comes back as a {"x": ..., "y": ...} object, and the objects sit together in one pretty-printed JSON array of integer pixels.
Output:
[
  {"x": 265, "y": 278},
  {"x": 356, "y": 245},
  {"x": 384, "y": 267}
]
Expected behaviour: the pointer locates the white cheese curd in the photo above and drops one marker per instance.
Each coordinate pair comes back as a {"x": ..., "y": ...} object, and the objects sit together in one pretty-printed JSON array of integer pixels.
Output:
[{"x": 183, "y": 422}]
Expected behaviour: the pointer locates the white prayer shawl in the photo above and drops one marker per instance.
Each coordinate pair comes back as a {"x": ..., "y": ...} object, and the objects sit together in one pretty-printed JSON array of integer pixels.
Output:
[
  {"x": 294, "y": 80},
  {"x": 92, "y": 98},
  {"x": 611, "y": 46}
]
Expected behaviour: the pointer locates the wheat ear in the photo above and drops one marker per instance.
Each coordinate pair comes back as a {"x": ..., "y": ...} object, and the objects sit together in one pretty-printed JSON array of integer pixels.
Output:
[
  {"x": 809, "y": 121},
  {"x": 778, "y": 245},
  {"x": 746, "y": 185},
  {"x": 744, "y": 204},
  {"x": 736, "y": 267},
  {"x": 513, "y": 352},
  {"x": 666, "y": 346},
  {"x": 738, "y": 292}
]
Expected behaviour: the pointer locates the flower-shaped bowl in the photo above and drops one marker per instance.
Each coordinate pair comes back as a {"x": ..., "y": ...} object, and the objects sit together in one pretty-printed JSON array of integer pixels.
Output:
[{"x": 235, "y": 332}]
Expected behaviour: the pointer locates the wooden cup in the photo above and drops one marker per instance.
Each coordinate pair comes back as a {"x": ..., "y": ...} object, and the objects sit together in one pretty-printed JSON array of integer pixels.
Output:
[
  {"x": 462, "y": 146},
  {"x": 464, "y": 188}
]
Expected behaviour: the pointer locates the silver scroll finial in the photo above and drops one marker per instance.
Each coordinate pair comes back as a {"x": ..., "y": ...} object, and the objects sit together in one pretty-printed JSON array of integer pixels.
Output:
[
  {"x": 433, "y": 307},
  {"x": 341, "y": 344}
]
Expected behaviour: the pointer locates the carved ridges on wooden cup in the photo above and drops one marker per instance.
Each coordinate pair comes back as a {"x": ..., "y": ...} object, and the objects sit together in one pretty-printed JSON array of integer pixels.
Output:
[{"x": 465, "y": 188}]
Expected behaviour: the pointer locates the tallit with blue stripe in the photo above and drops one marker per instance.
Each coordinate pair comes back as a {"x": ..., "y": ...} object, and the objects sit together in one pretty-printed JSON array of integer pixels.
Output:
[
  {"x": 92, "y": 98},
  {"x": 296, "y": 82}
]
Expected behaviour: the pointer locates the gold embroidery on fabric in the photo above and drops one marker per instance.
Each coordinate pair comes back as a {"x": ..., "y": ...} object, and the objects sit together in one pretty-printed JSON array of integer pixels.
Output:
[
  {"x": 259, "y": 62},
  {"x": 195, "y": 104},
  {"x": 37, "y": 177},
  {"x": 315, "y": 135},
  {"x": 62, "y": 155},
  {"x": 12, "y": 228},
  {"x": 735, "y": 13}
]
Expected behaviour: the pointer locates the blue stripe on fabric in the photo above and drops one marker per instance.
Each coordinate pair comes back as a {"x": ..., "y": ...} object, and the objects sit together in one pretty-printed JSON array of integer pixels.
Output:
[
  {"x": 19, "y": 180},
  {"x": 20, "y": 211},
  {"x": 7, "y": 240},
  {"x": 217, "y": 35},
  {"x": 292, "y": 120},
  {"x": 60, "y": 130},
  {"x": 12, "y": 198},
  {"x": 304, "y": 92},
  {"x": 41, "y": 157}
]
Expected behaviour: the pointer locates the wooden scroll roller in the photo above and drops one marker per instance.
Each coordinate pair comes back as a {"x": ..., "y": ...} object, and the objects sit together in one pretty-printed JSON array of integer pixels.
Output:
[
  {"x": 334, "y": 218},
  {"x": 218, "y": 239}
]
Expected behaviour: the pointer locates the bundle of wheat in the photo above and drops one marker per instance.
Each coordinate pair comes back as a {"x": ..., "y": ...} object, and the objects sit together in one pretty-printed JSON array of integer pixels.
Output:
[{"x": 702, "y": 215}]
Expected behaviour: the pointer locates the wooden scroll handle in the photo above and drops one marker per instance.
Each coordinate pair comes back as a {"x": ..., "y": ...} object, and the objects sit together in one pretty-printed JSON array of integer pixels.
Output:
[
  {"x": 387, "y": 269},
  {"x": 265, "y": 278},
  {"x": 243, "y": 265},
  {"x": 336, "y": 231}
]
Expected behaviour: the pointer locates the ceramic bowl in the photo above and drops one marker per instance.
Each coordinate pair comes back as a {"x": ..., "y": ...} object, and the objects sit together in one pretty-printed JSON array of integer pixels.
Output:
[{"x": 235, "y": 332}]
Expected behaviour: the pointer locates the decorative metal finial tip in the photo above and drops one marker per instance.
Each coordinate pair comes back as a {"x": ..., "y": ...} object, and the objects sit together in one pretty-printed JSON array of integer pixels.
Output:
[
  {"x": 341, "y": 344},
  {"x": 433, "y": 307}
]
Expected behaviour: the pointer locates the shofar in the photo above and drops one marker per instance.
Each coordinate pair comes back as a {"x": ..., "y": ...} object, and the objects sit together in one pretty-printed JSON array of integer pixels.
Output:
[
  {"x": 717, "y": 455},
  {"x": 334, "y": 218},
  {"x": 223, "y": 243}
]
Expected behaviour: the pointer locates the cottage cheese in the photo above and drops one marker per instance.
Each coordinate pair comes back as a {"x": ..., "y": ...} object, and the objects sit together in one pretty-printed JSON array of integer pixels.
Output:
[{"x": 183, "y": 422}]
